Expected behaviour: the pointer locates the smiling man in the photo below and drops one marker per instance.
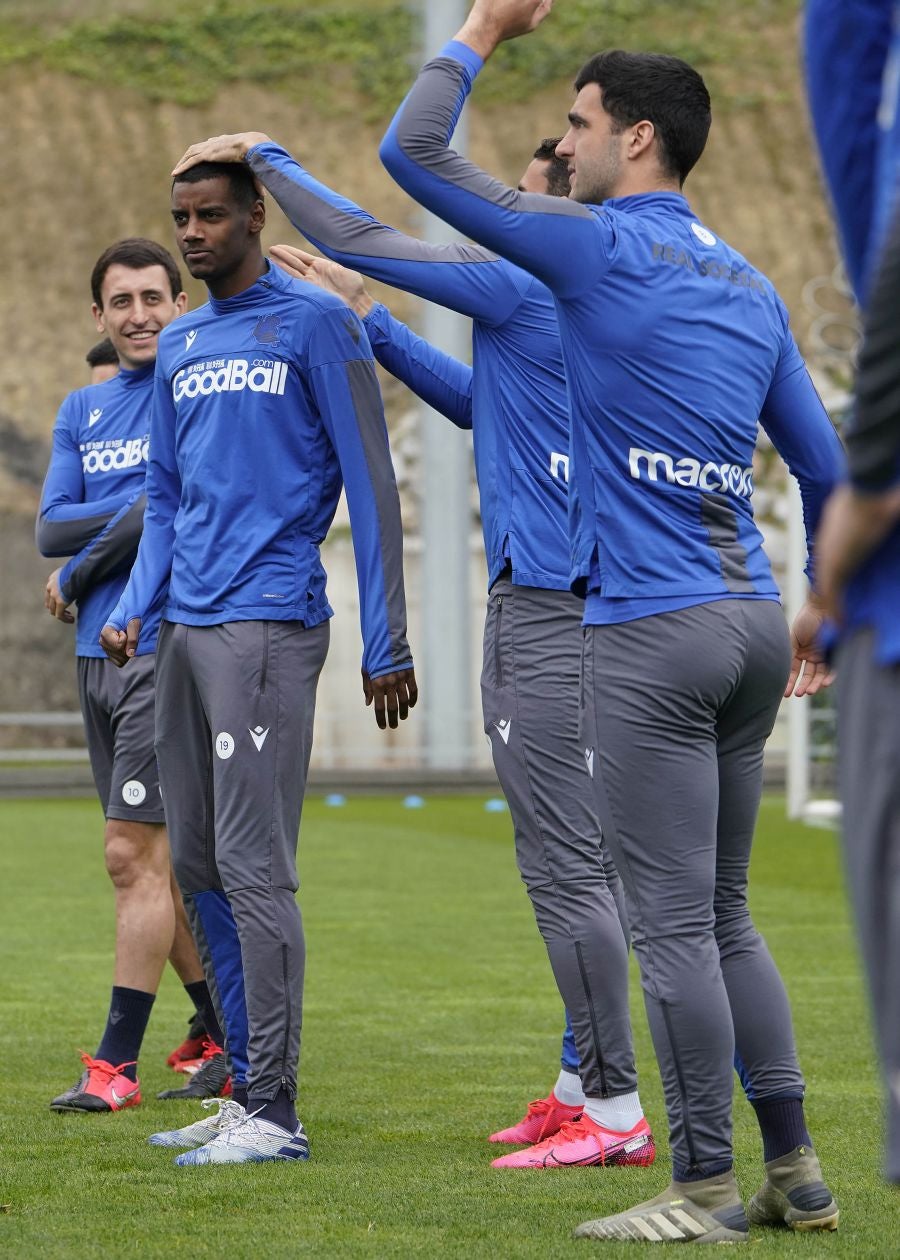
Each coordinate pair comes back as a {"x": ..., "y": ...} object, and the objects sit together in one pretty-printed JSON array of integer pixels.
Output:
[{"x": 92, "y": 509}]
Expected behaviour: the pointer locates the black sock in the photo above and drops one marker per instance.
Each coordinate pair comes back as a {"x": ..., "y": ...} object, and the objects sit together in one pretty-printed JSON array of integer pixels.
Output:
[
  {"x": 129, "y": 1011},
  {"x": 691, "y": 1172},
  {"x": 782, "y": 1126},
  {"x": 199, "y": 994},
  {"x": 239, "y": 1094},
  {"x": 277, "y": 1110}
]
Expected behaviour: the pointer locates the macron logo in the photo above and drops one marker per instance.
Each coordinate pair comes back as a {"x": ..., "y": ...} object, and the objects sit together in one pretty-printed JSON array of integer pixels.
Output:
[
  {"x": 258, "y": 735},
  {"x": 189, "y": 338},
  {"x": 690, "y": 472},
  {"x": 94, "y": 416},
  {"x": 503, "y": 727},
  {"x": 589, "y": 761}
]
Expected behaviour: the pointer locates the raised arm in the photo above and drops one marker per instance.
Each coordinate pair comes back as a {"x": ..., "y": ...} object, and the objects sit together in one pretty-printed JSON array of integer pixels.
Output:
[
  {"x": 146, "y": 587},
  {"x": 559, "y": 241},
  {"x": 441, "y": 381},
  {"x": 464, "y": 278},
  {"x": 345, "y": 388}
]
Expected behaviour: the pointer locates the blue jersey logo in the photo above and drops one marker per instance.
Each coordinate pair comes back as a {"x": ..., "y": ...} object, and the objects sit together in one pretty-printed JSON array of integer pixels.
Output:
[{"x": 266, "y": 330}]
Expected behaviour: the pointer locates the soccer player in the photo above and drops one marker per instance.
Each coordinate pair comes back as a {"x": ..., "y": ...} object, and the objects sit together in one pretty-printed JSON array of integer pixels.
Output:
[
  {"x": 103, "y": 361},
  {"x": 265, "y": 400},
  {"x": 446, "y": 385},
  {"x": 92, "y": 510},
  {"x": 533, "y": 638},
  {"x": 674, "y": 348},
  {"x": 854, "y": 47}
]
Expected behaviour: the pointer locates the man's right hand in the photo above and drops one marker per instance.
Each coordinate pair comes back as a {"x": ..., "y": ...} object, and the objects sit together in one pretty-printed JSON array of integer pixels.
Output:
[
  {"x": 121, "y": 645},
  {"x": 54, "y": 600},
  {"x": 348, "y": 285}
]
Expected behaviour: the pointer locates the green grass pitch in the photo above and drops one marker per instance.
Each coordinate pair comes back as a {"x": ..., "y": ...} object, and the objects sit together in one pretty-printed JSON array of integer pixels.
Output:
[{"x": 430, "y": 1019}]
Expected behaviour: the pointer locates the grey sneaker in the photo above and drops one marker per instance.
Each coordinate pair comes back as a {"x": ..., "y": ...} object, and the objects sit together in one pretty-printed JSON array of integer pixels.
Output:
[
  {"x": 202, "y": 1131},
  {"x": 794, "y": 1194},
  {"x": 708, "y": 1211}
]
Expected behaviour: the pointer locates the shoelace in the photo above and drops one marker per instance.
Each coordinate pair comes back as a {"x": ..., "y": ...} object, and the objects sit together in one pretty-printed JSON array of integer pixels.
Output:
[
  {"x": 103, "y": 1069},
  {"x": 245, "y": 1129},
  {"x": 540, "y": 1107},
  {"x": 210, "y": 1049},
  {"x": 229, "y": 1112},
  {"x": 568, "y": 1131}
]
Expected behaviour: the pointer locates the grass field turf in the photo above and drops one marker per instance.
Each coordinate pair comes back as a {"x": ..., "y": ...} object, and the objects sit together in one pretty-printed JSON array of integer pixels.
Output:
[{"x": 431, "y": 1018}]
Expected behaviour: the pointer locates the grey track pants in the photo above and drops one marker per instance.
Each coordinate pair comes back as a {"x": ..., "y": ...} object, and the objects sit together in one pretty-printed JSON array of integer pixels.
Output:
[
  {"x": 530, "y": 688},
  {"x": 678, "y": 708},
  {"x": 234, "y": 719},
  {"x": 869, "y": 765}
]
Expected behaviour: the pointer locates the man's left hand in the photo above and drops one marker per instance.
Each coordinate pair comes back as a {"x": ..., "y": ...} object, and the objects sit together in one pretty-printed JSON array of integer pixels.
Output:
[
  {"x": 490, "y": 22},
  {"x": 54, "y": 600},
  {"x": 232, "y": 148},
  {"x": 809, "y": 669},
  {"x": 393, "y": 696}
]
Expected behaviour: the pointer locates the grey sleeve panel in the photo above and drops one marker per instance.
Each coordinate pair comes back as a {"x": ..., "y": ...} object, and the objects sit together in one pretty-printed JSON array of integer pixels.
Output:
[
  {"x": 465, "y": 278},
  {"x": 112, "y": 549},
  {"x": 367, "y": 403},
  {"x": 873, "y": 436},
  {"x": 517, "y": 225},
  {"x": 719, "y": 518},
  {"x": 67, "y": 538}
]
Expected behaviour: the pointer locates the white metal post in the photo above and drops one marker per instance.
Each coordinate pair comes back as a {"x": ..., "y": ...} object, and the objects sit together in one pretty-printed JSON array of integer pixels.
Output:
[{"x": 798, "y": 710}]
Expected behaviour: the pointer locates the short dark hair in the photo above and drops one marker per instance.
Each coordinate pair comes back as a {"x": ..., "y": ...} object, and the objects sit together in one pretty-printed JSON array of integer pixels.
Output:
[
  {"x": 135, "y": 252},
  {"x": 240, "y": 177},
  {"x": 557, "y": 167},
  {"x": 103, "y": 354},
  {"x": 665, "y": 90}
]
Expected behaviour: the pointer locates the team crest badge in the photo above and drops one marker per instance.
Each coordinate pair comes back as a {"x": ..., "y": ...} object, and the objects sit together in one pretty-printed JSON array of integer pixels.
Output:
[{"x": 266, "y": 330}]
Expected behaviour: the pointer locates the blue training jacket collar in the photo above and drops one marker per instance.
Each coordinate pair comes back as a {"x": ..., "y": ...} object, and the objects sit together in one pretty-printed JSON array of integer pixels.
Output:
[
  {"x": 128, "y": 377},
  {"x": 272, "y": 278},
  {"x": 648, "y": 201}
]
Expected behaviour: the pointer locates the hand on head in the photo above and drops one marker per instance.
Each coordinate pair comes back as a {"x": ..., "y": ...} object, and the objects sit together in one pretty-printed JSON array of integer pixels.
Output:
[{"x": 233, "y": 148}]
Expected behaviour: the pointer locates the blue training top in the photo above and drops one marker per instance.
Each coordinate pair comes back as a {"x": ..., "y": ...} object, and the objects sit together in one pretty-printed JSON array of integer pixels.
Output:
[
  {"x": 92, "y": 505},
  {"x": 519, "y": 410},
  {"x": 853, "y": 74},
  {"x": 675, "y": 349},
  {"x": 264, "y": 404}
]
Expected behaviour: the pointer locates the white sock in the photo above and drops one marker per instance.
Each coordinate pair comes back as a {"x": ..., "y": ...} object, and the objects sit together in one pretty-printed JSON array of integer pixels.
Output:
[
  {"x": 619, "y": 1114},
  {"x": 568, "y": 1089}
]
